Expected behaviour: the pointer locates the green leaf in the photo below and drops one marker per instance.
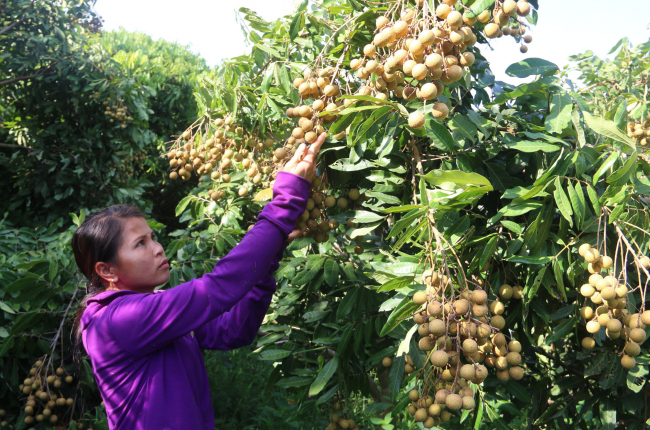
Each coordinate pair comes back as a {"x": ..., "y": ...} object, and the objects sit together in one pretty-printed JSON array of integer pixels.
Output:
[
  {"x": 532, "y": 146},
  {"x": 561, "y": 331},
  {"x": 397, "y": 209},
  {"x": 345, "y": 339},
  {"x": 529, "y": 67},
  {"x": 593, "y": 197},
  {"x": 297, "y": 24},
  {"x": 401, "y": 312},
  {"x": 331, "y": 272},
  {"x": 345, "y": 165},
  {"x": 5, "y": 307},
  {"x": 309, "y": 273},
  {"x": 274, "y": 354},
  {"x": 396, "y": 375},
  {"x": 346, "y": 305},
  {"x": 636, "y": 377},
  {"x": 394, "y": 284},
  {"x": 621, "y": 176},
  {"x": 481, "y": 5},
  {"x": 608, "y": 129},
  {"x": 608, "y": 413},
  {"x": 529, "y": 260},
  {"x": 609, "y": 162},
  {"x": 439, "y": 134},
  {"x": 560, "y": 115},
  {"x": 180, "y": 208},
  {"x": 54, "y": 269},
  {"x": 575, "y": 118},
  {"x": 324, "y": 376},
  {"x": 512, "y": 226},
  {"x": 562, "y": 201},
  {"x": 518, "y": 391},
  {"x": 488, "y": 252},
  {"x": 383, "y": 197},
  {"x": 25, "y": 321},
  {"x": 458, "y": 177},
  {"x": 342, "y": 123},
  {"x": 294, "y": 381},
  {"x": 576, "y": 204}
]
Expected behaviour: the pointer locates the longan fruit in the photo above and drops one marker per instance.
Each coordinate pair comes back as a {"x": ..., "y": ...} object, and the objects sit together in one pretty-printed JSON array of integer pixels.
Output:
[
  {"x": 454, "y": 402},
  {"x": 416, "y": 120},
  {"x": 342, "y": 202},
  {"x": 387, "y": 362},
  {"x": 593, "y": 327},
  {"x": 505, "y": 291},
  {"x": 628, "y": 362},
  {"x": 439, "y": 359},
  {"x": 637, "y": 335},
  {"x": 498, "y": 321},
  {"x": 440, "y": 111},
  {"x": 492, "y": 30},
  {"x": 632, "y": 349},
  {"x": 516, "y": 373},
  {"x": 588, "y": 343}
]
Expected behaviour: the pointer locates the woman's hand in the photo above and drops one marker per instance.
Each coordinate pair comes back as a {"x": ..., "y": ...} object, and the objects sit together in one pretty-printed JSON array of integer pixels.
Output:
[{"x": 304, "y": 164}]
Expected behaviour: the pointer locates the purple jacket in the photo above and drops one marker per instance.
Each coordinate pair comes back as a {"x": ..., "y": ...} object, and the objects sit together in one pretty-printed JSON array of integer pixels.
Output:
[{"x": 145, "y": 349}]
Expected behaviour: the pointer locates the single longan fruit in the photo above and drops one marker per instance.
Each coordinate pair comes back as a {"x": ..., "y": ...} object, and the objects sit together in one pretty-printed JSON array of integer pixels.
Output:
[
  {"x": 637, "y": 335},
  {"x": 387, "y": 362},
  {"x": 514, "y": 358},
  {"x": 420, "y": 298},
  {"x": 440, "y": 111},
  {"x": 436, "y": 327},
  {"x": 467, "y": 372},
  {"x": 454, "y": 402},
  {"x": 468, "y": 403},
  {"x": 587, "y": 290},
  {"x": 593, "y": 327},
  {"x": 583, "y": 249},
  {"x": 470, "y": 347},
  {"x": 503, "y": 375},
  {"x": 645, "y": 317},
  {"x": 606, "y": 262},
  {"x": 523, "y": 8},
  {"x": 439, "y": 358},
  {"x": 280, "y": 153},
  {"x": 516, "y": 373},
  {"x": 420, "y": 415},
  {"x": 498, "y": 321},
  {"x": 586, "y": 312},
  {"x": 492, "y": 30},
  {"x": 479, "y": 297},
  {"x": 505, "y": 291},
  {"x": 628, "y": 362},
  {"x": 523, "y": 49},
  {"x": 416, "y": 120},
  {"x": 632, "y": 349},
  {"x": 614, "y": 326},
  {"x": 528, "y": 38}
]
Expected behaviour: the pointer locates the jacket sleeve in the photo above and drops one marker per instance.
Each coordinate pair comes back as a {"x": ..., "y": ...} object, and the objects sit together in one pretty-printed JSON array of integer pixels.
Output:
[
  {"x": 142, "y": 323},
  {"x": 239, "y": 326}
]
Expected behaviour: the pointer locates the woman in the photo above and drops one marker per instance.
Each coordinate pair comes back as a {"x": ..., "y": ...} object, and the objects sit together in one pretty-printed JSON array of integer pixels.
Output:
[{"x": 144, "y": 344}]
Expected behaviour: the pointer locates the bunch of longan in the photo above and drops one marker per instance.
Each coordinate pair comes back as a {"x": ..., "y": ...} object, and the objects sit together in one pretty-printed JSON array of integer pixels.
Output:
[
  {"x": 609, "y": 297},
  {"x": 315, "y": 219},
  {"x": 461, "y": 334},
  {"x": 117, "y": 111},
  {"x": 640, "y": 131},
  {"x": 338, "y": 419},
  {"x": 41, "y": 399},
  {"x": 227, "y": 147}
]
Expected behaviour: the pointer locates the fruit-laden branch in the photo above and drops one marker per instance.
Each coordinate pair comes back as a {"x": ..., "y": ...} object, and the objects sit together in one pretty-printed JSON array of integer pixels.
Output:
[
  {"x": 10, "y": 26},
  {"x": 24, "y": 78}
]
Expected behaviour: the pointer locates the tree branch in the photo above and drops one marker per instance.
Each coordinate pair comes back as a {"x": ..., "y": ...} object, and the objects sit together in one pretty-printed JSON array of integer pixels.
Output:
[
  {"x": 24, "y": 78},
  {"x": 10, "y": 26}
]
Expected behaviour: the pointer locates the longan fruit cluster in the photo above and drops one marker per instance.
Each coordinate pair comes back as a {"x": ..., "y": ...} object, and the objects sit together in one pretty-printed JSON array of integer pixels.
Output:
[
  {"x": 41, "y": 399},
  {"x": 640, "y": 131},
  {"x": 315, "y": 218},
  {"x": 462, "y": 337},
  {"x": 518, "y": 32},
  {"x": 338, "y": 420},
  {"x": 323, "y": 88},
  {"x": 217, "y": 153},
  {"x": 505, "y": 12},
  {"x": 116, "y": 112},
  {"x": 609, "y": 297}
]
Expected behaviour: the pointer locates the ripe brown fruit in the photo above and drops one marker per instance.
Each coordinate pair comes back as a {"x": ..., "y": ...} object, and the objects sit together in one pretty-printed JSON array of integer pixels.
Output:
[
  {"x": 387, "y": 362},
  {"x": 637, "y": 335},
  {"x": 632, "y": 349},
  {"x": 505, "y": 291},
  {"x": 628, "y": 362},
  {"x": 439, "y": 359},
  {"x": 416, "y": 120},
  {"x": 516, "y": 373},
  {"x": 440, "y": 111},
  {"x": 454, "y": 402},
  {"x": 523, "y": 8},
  {"x": 492, "y": 30}
]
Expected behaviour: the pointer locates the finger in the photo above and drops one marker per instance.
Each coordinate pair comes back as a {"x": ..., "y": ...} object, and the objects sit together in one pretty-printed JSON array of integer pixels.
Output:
[
  {"x": 296, "y": 233},
  {"x": 314, "y": 148},
  {"x": 299, "y": 154}
]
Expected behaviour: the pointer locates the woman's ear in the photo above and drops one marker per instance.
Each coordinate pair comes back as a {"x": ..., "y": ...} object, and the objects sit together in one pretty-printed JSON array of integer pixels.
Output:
[{"x": 106, "y": 272}]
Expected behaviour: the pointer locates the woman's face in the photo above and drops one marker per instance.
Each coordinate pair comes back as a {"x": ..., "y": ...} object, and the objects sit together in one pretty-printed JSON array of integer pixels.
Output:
[{"x": 141, "y": 265}]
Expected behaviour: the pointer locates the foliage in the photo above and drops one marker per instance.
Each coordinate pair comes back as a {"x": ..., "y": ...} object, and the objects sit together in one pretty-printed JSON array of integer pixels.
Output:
[
  {"x": 513, "y": 183},
  {"x": 503, "y": 191},
  {"x": 67, "y": 143}
]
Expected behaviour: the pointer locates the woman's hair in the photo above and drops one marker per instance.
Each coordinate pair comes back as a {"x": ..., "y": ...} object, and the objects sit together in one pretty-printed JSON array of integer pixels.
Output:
[{"x": 97, "y": 240}]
